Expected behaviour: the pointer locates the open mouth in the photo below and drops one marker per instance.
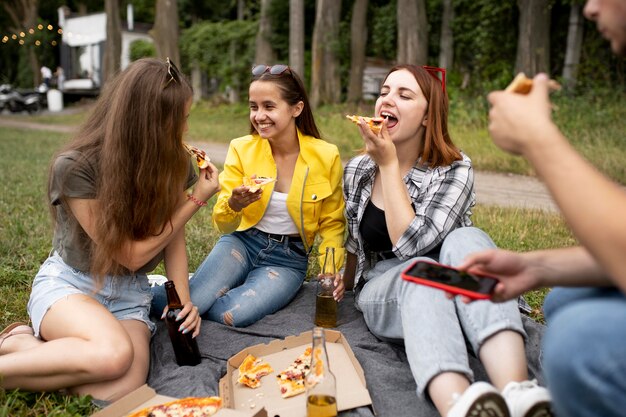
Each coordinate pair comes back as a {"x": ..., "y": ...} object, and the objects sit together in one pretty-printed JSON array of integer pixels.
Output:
[{"x": 392, "y": 120}]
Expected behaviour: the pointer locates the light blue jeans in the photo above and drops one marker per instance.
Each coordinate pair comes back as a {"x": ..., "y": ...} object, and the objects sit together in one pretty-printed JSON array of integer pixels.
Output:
[
  {"x": 584, "y": 346},
  {"x": 432, "y": 326},
  {"x": 245, "y": 277}
]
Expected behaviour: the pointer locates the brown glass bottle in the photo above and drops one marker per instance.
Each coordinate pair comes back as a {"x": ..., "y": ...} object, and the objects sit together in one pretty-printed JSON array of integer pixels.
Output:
[
  {"x": 320, "y": 383},
  {"x": 325, "y": 304},
  {"x": 185, "y": 346}
]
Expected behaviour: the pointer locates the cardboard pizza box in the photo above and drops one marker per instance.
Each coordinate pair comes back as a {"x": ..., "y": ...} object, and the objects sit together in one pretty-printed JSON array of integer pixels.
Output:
[
  {"x": 145, "y": 396},
  {"x": 351, "y": 387}
]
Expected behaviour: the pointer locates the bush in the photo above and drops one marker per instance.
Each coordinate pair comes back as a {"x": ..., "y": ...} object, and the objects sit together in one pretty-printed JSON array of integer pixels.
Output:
[{"x": 141, "y": 49}]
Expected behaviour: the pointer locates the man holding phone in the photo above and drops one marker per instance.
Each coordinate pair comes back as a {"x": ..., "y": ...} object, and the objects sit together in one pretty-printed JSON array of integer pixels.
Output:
[{"x": 584, "y": 355}]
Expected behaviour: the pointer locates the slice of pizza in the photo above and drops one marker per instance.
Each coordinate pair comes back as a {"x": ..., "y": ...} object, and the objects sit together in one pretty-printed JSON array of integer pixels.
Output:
[
  {"x": 522, "y": 84},
  {"x": 185, "y": 407},
  {"x": 255, "y": 184},
  {"x": 252, "y": 370},
  {"x": 291, "y": 380},
  {"x": 375, "y": 123},
  {"x": 201, "y": 156}
]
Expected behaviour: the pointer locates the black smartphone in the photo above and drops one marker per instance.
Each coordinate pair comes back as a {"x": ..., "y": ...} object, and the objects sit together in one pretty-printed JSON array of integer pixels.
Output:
[{"x": 450, "y": 279}]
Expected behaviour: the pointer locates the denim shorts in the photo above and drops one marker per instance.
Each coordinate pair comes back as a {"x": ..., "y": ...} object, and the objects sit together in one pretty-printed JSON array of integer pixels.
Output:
[{"x": 127, "y": 297}]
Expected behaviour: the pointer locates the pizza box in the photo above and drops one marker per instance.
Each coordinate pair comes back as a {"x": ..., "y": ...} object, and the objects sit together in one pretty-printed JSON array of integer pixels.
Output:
[
  {"x": 351, "y": 387},
  {"x": 145, "y": 396}
]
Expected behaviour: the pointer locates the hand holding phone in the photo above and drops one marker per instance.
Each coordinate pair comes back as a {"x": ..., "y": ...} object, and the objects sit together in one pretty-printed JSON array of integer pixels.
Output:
[{"x": 479, "y": 287}]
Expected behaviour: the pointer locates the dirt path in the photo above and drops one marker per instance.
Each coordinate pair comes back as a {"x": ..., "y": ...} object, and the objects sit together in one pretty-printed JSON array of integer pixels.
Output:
[{"x": 505, "y": 190}]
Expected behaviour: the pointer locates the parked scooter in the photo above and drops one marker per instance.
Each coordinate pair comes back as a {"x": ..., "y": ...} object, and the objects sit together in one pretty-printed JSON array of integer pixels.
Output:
[{"x": 19, "y": 101}]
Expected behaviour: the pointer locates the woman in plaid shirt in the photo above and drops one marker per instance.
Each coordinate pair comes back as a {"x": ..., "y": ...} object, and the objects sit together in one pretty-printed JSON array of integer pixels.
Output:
[{"x": 410, "y": 196}]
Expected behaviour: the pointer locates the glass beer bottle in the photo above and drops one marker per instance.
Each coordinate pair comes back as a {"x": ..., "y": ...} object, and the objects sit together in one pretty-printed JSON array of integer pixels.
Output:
[
  {"x": 325, "y": 304},
  {"x": 185, "y": 346},
  {"x": 320, "y": 383}
]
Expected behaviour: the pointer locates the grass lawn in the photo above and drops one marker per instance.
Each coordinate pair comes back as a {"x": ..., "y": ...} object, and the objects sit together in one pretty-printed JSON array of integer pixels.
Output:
[{"x": 25, "y": 233}]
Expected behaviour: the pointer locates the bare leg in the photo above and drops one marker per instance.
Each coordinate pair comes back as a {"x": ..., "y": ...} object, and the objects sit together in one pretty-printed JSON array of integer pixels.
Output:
[
  {"x": 443, "y": 387},
  {"x": 504, "y": 358},
  {"x": 135, "y": 377},
  {"x": 86, "y": 344}
]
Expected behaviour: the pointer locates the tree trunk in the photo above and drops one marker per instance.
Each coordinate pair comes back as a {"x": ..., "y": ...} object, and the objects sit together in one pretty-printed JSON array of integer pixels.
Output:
[
  {"x": 113, "y": 44},
  {"x": 296, "y": 36},
  {"x": 325, "y": 81},
  {"x": 446, "y": 43},
  {"x": 264, "y": 52},
  {"x": 233, "y": 95},
  {"x": 574, "y": 46},
  {"x": 24, "y": 14},
  {"x": 358, "y": 42},
  {"x": 412, "y": 32},
  {"x": 533, "y": 43},
  {"x": 165, "y": 30}
]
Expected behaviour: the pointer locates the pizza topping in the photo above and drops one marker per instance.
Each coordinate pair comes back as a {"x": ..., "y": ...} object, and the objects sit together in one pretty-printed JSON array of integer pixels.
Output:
[
  {"x": 254, "y": 183},
  {"x": 375, "y": 123},
  {"x": 522, "y": 84},
  {"x": 291, "y": 380},
  {"x": 252, "y": 370},
  {"x": 186, "y": 407},
  {"x": 201, "y": 157}
]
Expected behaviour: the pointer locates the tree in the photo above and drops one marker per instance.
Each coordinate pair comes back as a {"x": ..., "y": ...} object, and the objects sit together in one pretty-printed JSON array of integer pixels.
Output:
[
  {"x": 446, "y": 44},
  {"x": 533, "y": 41},
  {"x": 325, "y": 79},
  {"x": 412, "y": 32},
  {"x": 264, "y": 52},
  {"x": 113, "y": 44},
  {"x": 23, "y": 14},
  {"x": 296, "y": 36},
  {"x": 358, "y": 42},
  {"x": 165, "y": 30},
  {"x": 574, "y": 46}
]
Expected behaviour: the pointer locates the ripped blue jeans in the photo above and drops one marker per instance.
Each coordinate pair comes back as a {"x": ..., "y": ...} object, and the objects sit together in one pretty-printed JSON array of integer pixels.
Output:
[{"x": 245, "y": 277}]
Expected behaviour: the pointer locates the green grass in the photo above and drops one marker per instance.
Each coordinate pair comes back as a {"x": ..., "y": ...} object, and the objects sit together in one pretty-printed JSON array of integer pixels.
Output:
[{"x": 25, "y": 233}]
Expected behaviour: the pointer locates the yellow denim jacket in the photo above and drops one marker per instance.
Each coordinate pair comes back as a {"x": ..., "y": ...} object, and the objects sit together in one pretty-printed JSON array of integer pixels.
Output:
[{"x": 315, "y": 199}]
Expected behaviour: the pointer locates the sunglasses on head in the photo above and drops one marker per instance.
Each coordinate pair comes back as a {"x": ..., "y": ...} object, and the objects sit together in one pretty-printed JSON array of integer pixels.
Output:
[
  {"x": 434, "y": 71},
  {"x": 277, "y": 69},
  {"x": 172, "y": 71}
]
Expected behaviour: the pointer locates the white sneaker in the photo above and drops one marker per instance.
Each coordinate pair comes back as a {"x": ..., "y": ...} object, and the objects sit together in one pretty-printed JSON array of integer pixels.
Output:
[
  {"x": 480, "y": 400},
  {"x": 527, "y": 399}
]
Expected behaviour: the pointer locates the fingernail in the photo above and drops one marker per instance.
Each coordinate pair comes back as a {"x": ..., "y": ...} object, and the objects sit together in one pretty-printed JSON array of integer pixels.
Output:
[
  {"x": 185, "y": 331},
  {"x": 162, "y": 316},
  {"x": 182, "y": 328},
  {"x": 179, "y": 317}
]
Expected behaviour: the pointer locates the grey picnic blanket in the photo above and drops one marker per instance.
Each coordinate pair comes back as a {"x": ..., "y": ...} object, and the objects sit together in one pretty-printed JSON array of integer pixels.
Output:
[{"x": 387, "y": 372}]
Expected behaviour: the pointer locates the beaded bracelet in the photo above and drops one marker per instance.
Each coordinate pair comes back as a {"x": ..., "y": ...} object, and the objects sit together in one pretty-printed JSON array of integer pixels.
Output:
[{"x": 197, "y": 202}]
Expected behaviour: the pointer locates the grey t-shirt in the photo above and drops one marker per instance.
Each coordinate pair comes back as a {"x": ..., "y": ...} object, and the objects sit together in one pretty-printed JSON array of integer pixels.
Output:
[{"x": 71, "y": 180}]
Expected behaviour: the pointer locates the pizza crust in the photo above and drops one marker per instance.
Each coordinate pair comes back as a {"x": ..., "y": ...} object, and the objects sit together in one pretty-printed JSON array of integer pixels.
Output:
[
  {"x": 201, "y": 157},
  {"x": 374, "y": 123},
  {"x": 252, "y": 370},
  {"x": 185, "y": 407},
  {"x": 522, "y": 84},
  {"x": 255, "y": 184}
]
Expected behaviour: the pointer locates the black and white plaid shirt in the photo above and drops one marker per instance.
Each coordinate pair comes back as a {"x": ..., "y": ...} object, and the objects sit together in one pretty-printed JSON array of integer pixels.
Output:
[{"x": 442, "y": 198}]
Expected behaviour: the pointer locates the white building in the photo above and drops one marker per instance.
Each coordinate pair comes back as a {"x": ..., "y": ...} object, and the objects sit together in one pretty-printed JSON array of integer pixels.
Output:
[{"x": 82, "y": 48}]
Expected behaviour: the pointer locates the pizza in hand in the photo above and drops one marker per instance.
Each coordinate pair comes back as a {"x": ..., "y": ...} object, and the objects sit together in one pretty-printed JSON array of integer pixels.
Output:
[
  {"x": 375, "y": 123},
  {"x": 522, "y": 84},
  {"x": 186, "y": 407},
  {"x": 201, "y": 156},
  {"x": 291, "y": 380},
  {"x": 252, "y": 370},
  {"x": 255, "y": 183}
]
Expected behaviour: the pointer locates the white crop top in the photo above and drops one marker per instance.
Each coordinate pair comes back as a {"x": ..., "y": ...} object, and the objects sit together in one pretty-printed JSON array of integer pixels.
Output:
[{"x": 276, "y": 218}]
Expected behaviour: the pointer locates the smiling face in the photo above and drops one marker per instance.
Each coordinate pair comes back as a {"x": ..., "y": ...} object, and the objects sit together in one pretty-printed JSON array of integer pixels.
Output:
[
  {"x": 402, "y": 101},
  {"x": 270, "y": 114},
  {"x": 610, "y": 18}
]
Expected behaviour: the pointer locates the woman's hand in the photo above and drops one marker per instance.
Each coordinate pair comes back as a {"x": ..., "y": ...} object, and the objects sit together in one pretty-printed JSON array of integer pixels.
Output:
[
  {"x": 242, "y": 197},
  {"x": 339, "y": 287},
  {"x": 208, "y": 183},
  {"x": 189, "y": 319},
  {"x": 379, "y": 147}
]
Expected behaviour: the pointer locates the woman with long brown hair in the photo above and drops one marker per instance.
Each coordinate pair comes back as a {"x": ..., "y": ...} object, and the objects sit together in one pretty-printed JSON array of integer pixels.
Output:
[
  {"x": 408, "y": 197},
  {"x": 117, "y": 196}
]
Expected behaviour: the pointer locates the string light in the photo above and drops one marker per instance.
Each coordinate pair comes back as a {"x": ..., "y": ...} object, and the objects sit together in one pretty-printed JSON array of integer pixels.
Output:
[{"x": 22, "y": 37}]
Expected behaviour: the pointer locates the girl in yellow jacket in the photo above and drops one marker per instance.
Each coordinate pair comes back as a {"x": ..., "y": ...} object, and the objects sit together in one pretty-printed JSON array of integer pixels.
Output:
[{"x": 259, "y": 264}]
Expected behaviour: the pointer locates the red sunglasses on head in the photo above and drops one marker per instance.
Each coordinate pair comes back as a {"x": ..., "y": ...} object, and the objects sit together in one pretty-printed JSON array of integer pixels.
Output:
[{"x": 434, "y": 71}]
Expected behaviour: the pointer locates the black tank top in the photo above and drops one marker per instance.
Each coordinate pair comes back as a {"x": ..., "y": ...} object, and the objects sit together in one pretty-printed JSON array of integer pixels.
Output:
[{"x": 373, "y": 228}]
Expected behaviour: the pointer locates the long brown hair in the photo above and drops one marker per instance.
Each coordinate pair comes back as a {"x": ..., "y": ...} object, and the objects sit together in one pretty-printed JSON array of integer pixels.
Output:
[
  {"x": 134, "y": 133},
  {"x": 292, "y": 91},
  {"x": 438, "y": 149}
]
